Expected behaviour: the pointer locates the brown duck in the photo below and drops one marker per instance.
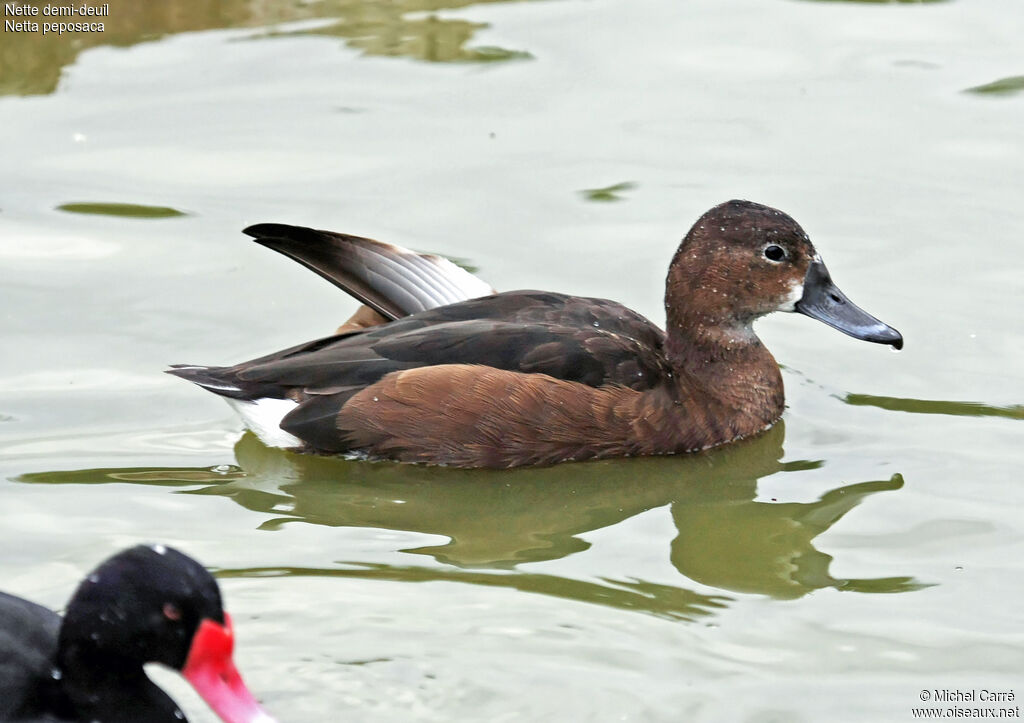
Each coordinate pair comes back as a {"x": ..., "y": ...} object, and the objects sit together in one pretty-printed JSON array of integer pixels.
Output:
[{"x": 427, "y": 373}]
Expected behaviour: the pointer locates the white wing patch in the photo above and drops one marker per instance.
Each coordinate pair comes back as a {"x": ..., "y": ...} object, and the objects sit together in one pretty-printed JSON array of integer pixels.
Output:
[{"x": 466, "y": 284}]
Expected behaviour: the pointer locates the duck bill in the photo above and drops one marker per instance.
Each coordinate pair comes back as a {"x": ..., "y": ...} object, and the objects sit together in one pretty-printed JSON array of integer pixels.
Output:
[
  {"x": 211, "y": 671},
  {"x": 822, "y": 300}
]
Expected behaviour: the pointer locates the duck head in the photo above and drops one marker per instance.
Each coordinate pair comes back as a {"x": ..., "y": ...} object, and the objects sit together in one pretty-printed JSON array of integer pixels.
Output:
[
  {"x": 742, "y": 260},
  {"x": 151, "y": 604}
]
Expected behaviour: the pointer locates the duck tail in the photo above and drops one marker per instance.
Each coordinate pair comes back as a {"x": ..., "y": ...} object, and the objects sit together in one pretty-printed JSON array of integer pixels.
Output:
[{"x": 219, "y": 380}]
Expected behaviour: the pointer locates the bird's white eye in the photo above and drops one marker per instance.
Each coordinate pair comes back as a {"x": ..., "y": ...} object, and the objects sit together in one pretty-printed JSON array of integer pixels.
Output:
[{"x": 774, "y": 252}]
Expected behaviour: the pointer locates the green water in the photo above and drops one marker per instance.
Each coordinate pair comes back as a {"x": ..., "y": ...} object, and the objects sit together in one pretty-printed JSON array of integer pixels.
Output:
[{"x": 865, "y": 549}]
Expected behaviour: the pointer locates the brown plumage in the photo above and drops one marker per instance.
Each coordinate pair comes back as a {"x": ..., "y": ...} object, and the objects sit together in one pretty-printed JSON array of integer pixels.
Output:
[
  {"x": 469, "y": 416},
  {"x": 363, "y": 318},
  {"x": 534, "y": 377}
]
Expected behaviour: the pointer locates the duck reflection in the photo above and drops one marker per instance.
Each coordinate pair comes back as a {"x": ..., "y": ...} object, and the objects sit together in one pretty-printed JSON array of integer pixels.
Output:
[
  {"x": 735, "y": 543},
  {"x": 496, "y": 520}
]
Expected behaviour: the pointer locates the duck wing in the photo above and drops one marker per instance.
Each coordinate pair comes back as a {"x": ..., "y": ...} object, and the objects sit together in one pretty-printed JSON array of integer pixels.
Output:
[
  {"x": 28, "y": 647},
  {"x": 591, "y": 341},
  {"x": 393, "y": 281},
  {"x": 594, "y": 342}
]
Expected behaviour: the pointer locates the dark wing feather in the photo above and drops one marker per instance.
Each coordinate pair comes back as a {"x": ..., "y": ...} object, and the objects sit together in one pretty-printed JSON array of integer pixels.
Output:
[
  {"x": 392, "y": 280},
  {"x": 587, "y": 355},
  {"x": 591, "y": 341},
  {"x": 468, "y": 333},
  {"x": 28, "y": 647}
]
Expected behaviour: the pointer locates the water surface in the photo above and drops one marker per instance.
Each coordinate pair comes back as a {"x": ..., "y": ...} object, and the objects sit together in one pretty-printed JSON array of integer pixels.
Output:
[{"x": 866, "y": 548}]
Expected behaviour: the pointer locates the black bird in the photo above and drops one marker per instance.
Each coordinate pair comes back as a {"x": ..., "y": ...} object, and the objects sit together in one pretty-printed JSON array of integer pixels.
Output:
[{"x": 148, "y": 604}]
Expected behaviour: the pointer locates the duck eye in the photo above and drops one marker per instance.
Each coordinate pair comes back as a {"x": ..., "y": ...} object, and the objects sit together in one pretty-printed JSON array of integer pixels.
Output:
[
  {"x": 172, "y": 612},
  {"x": 774, "y": 253}
]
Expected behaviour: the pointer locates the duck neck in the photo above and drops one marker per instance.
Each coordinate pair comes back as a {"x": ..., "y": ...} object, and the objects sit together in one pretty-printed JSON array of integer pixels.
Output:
[
  {"x": 725, "y": 365},
  {"x": 112, "y": 690}
]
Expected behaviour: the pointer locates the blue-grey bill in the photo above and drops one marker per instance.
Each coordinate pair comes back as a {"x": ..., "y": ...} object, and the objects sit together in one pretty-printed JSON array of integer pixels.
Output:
[{"x": 822, "y": 300}]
